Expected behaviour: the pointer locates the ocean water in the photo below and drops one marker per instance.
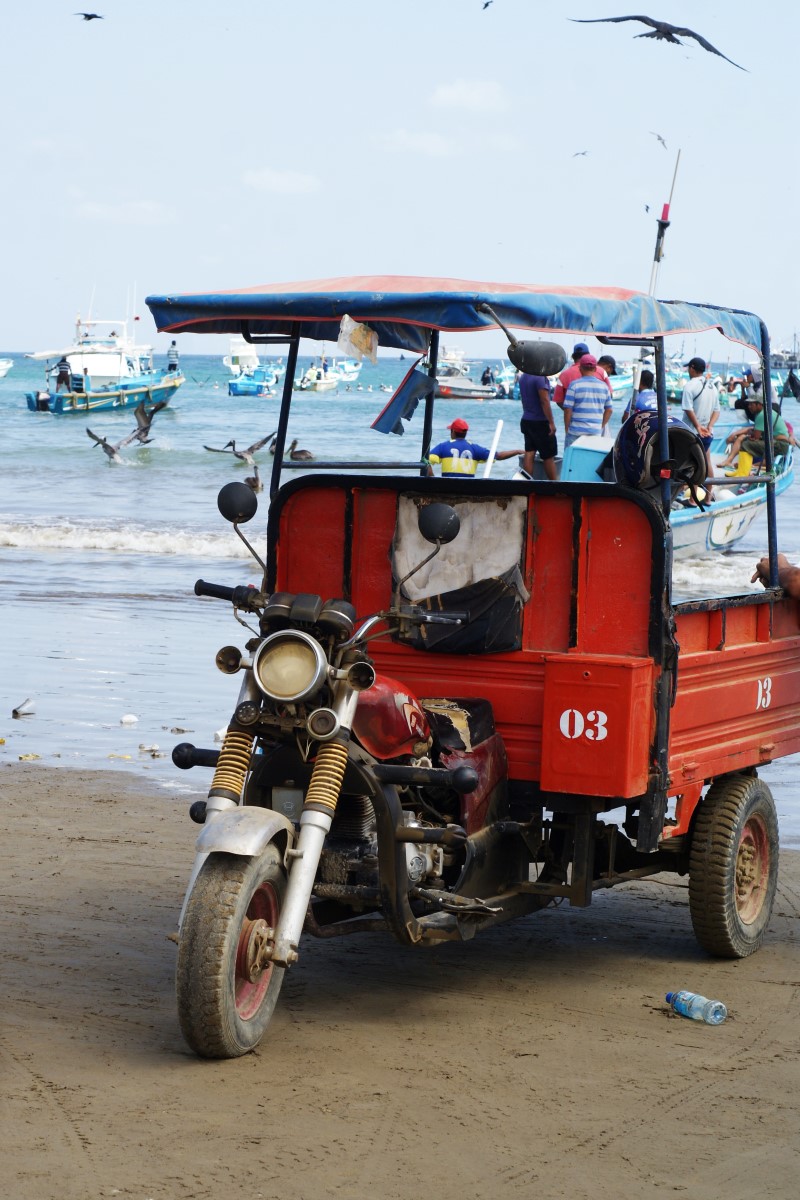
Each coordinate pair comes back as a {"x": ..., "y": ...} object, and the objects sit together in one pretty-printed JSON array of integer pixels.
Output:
[{"x": 101, "y": 624}]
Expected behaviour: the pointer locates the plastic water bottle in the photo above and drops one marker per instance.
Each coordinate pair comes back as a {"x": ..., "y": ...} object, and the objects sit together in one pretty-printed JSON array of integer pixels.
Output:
[{"x": 697, "y": 1008}]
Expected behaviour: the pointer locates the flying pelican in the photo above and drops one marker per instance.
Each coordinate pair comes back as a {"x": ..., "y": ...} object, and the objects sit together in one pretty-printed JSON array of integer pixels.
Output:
[
  {"x": 113, "y": 452},
  {"x": 246, "y": 456},
  {"x": 144, "y": 420},
  {"x": 90, "y": 17},
  {"x": 299, "y": 455},
  {"x": 661, "y": 30}
]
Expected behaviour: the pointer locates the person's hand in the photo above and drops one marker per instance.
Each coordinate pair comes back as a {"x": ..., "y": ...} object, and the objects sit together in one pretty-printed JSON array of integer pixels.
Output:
[
  {"x": 552, "y": 427},
  {"x": 762, "y": 569}
]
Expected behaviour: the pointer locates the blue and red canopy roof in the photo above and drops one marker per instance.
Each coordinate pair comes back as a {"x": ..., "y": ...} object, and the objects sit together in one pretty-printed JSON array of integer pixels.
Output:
[{"x": 402, "y": 310}]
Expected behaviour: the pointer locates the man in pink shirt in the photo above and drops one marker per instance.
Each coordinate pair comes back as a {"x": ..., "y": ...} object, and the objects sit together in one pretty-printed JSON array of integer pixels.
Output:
[{"x": 569, "y": 374}]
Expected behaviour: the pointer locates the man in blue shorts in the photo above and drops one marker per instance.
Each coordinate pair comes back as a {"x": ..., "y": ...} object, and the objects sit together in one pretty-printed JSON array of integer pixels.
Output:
[{"x": 537, "y": 424}]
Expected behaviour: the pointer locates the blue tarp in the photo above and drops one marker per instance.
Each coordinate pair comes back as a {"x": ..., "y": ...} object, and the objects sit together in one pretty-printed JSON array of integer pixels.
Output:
[
  {"x": 403, "y": 310},
  {"x": 403, "y": 403}
]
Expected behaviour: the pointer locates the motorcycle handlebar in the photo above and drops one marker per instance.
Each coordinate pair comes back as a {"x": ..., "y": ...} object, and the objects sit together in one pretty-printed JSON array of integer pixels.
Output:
[
  {"x": 217, "y": 590},
  {"x": 185, "y": 755},
  {"x": 238, "y": 596}
]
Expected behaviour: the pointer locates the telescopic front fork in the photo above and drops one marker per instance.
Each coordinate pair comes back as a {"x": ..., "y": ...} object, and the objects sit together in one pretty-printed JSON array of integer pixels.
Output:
[{"x": 315, "y": 823}]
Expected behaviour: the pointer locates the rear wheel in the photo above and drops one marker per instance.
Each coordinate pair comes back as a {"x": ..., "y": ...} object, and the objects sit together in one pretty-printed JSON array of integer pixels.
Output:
[
  {"x": 226, "y": 987},
  {"x": 733, "y": 866}
]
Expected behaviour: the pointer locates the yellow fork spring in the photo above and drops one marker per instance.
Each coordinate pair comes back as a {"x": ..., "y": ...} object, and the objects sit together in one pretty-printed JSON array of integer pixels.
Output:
[
  {"x": 327, "y": 776},
  {"x": 232, "y": 764}
]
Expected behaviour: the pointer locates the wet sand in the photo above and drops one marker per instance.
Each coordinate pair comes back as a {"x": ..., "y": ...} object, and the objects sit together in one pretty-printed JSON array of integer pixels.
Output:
[{"x": 538, "y": 1059}]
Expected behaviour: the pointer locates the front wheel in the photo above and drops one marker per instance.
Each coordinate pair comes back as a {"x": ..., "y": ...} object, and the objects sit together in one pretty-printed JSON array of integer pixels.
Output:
[
  {"x": 733, "y": 866},
  {"x": 226, "y": 988}
]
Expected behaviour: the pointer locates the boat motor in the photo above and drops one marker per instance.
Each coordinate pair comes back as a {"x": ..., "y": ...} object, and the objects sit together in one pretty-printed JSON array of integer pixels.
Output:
[{"x": 637, "y": 457}]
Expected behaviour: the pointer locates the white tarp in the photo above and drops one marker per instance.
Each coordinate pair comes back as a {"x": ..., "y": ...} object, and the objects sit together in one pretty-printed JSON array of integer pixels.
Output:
[{"x": 489, "y": 544}]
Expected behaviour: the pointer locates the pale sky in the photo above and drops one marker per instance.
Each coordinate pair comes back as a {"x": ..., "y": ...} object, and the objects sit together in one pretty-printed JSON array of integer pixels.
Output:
[{"x": 184, "y": 145}]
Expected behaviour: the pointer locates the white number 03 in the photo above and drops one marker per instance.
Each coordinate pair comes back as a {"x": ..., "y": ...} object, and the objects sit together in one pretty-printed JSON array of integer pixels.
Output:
[{"x": 594, "y": 725}]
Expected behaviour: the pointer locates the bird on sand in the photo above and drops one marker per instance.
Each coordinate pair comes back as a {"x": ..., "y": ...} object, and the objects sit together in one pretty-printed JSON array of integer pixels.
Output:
[
  {"x": 245, "y": 456},
  {"x": 113, "y": 452},
  {"x": 90, "y": 16},
  {"x": 299, "y": 455},
  {"x": 661, "y": 30},
  {"x": 658, "y": 135}
]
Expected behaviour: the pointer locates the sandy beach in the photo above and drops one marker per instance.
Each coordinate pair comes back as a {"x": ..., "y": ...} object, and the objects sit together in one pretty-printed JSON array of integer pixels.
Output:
[{"x": 538, "y": 1058}]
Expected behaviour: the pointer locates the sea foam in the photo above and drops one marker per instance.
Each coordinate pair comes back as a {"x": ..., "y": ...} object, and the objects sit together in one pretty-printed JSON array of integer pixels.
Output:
[{"x": 118, "y": 538}]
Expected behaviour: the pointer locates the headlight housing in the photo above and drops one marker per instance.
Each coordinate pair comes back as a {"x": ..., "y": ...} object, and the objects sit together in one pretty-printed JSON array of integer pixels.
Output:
[{"x": 290, "y": 666}]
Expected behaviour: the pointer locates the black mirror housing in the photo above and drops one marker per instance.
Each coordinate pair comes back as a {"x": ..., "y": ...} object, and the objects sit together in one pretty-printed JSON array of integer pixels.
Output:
[
  {"x": 438, "y": 523},
  {"x": 537, "y": 358},
  {"x": 237, "y": 503}
]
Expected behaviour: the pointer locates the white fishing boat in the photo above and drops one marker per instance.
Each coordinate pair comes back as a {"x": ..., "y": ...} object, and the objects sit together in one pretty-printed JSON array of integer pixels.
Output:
[
  {"x": 349, "y": 369},
  {"x": 5, "y": 366},
  {"x": 328, "y": 374},
  {"x": 107, "y": 370},
  {"x": 453, "y": 380},
  {"x": 787, "y": 360},
  {"x": 241, "y": 356}
]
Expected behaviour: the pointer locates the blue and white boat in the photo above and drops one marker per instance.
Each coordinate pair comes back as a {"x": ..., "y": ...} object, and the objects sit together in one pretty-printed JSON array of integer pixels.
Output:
[
  {"x": 254, "y": 381},
  {"x": 505, "y": 379},
  {"x": 718, "y": 525},
  {"x": 107, "y": 371},
  {"x": 249, "y": 376}
]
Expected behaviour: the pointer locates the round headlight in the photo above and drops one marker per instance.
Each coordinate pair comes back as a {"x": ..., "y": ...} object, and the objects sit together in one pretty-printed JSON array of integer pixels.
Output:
[{"x": 289, "y": 666}]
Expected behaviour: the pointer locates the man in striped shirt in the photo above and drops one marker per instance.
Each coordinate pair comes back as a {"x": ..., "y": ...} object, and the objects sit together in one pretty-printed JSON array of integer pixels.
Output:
[{"x": 587, "y": 403}]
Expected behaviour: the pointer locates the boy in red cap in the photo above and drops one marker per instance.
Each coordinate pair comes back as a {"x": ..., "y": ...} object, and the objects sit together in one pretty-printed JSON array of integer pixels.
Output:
[{"x": 460, "y": 457}]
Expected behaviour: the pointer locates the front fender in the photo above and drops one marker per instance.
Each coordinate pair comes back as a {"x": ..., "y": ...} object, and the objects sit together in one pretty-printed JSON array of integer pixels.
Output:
[{"x": 246, "y": 831}]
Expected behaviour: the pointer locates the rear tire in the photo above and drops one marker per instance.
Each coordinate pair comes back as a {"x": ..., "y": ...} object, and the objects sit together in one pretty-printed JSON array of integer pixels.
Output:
[
  {"x": 226, "y": 998},
  {"x": 733, "y": 866}
]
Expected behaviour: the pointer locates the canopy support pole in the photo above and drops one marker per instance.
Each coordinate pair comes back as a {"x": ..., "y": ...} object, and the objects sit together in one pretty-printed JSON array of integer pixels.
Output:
[
  {"x": 427, "y": 429},
  {"x": 286, "y": 402},
  {"x": 769, "y": 460}
]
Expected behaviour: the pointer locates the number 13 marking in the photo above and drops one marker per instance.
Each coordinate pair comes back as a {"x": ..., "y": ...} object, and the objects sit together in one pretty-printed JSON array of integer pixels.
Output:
[{"x": 764, "y": 693}]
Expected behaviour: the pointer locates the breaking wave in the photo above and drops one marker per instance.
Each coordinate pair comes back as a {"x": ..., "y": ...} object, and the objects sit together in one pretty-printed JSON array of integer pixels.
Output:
[{"x": 118, "y": 538}]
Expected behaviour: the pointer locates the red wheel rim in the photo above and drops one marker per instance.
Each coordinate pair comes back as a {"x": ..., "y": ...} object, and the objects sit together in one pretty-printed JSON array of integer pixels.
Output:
[
  {"x": 250, "y": 994},
  {"x": 752, "y": 870}
]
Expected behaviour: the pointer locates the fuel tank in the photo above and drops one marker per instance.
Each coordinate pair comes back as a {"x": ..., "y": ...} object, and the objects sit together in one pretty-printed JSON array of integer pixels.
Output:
[{"x": 389, "y": 720}]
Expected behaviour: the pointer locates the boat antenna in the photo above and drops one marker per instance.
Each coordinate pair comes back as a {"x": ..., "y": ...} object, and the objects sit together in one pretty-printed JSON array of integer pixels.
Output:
[{"x": 663, "y": 226}]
